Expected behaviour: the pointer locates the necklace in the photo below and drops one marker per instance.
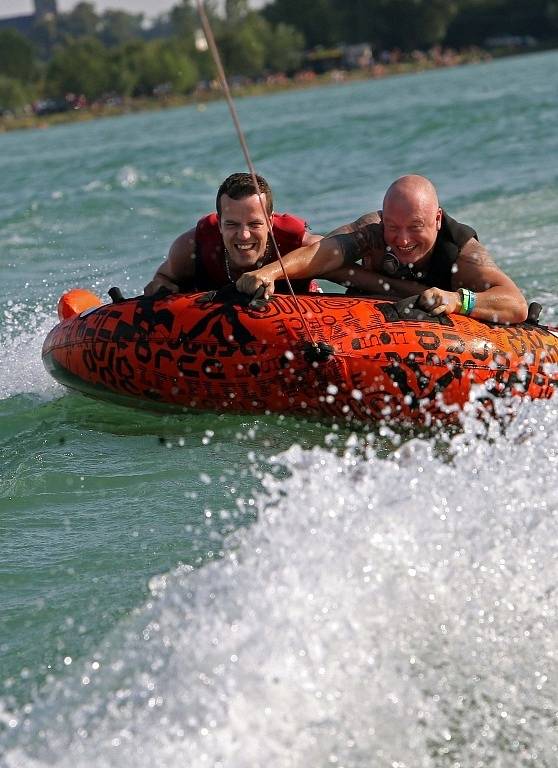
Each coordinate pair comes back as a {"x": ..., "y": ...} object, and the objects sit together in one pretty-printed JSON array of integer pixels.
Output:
[
  {"x": 228, "y": 267},
  {"x": 257, "y": 265}
]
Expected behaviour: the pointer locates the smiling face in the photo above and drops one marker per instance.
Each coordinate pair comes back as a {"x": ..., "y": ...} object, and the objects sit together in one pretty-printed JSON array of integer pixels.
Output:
[
  {"x": 411, "y": 219},
  {"x": 244, "y": 230}
]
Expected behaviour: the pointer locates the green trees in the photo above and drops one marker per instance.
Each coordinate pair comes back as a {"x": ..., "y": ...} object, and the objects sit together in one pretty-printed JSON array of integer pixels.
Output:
[
  {"x": 87, "y": 67},
  {"x": 409, "y": 24},
  {"x": 243, "y": 46},
  {"x": 80, "y": 67},
  {"x": 18, "y": 70},
  {"x": 250, "y": 45},
  {"x": 108, "y": 54},
  {"x": 284, "y": 48},
  {"x": 412, "y": 24},
  {"x": 236, "y": 11},
  {"x": 118, "y": 27},
  {"x": 405, "y": 24},
  {"x": 13, "y": 94},
  {"x": 82, "y": 21},
  {"x": 17, "y": 57},
  {"x": 319, "y": 21},
  {"x": 159, "y": 63},
  {"x": 84, "y": 52}
]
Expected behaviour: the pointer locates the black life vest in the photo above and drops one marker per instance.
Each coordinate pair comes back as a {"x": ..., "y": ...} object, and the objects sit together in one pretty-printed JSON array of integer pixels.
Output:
[{"x": 451, "y": 239}]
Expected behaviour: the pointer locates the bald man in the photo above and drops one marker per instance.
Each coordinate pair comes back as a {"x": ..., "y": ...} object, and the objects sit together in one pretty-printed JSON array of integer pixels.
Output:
[{"x": 409, "y": 247}]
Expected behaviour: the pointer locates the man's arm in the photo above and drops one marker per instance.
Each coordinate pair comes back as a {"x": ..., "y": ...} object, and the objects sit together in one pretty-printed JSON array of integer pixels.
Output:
[
  {"x": 354, "y": 226},
  {"x": 309, "y": 239},
  {"x": 178, "y": 268},
  {"x": 498, "y": 299},
  {"x": 364, "y": 279},
  {"x": 313, "y": 260}
]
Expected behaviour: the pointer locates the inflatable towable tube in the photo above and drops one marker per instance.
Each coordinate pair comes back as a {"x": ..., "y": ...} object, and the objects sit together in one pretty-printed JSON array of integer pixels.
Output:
[{"x": 379, "y": 359}]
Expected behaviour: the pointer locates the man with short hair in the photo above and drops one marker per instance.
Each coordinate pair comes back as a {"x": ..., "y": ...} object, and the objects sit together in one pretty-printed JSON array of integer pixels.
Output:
[
  {"x": 224, "y": 245},
  {"x": 409, "y": 247}
]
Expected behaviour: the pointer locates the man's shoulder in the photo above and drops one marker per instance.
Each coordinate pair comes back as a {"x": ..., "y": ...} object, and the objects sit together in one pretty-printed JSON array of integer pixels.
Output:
[
  {"x": 368, "y": 222},
  {"x": 363, "y": 239},
  {"x": 289, "y": 229},
  {"x": 366, "y": 232},
  {"x": 372, "y": 219},
  {"x": 209, "y": 221},
  {"x": 456, "y": 231},
  {"x": 288, "y": 221}
]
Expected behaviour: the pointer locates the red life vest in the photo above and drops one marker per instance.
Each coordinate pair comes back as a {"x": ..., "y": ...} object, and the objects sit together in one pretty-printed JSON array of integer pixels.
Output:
[{"x": 210, "y": 269}]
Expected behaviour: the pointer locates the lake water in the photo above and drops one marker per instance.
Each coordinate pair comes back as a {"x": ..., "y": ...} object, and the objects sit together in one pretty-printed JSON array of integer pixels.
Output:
[{"x": 244, "y": 591}]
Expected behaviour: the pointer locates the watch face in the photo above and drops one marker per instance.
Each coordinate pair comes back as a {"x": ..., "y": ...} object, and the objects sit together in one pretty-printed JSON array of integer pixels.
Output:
[
  {"x": 390, "y": 263},
  {"x": 392, "y": 267}
]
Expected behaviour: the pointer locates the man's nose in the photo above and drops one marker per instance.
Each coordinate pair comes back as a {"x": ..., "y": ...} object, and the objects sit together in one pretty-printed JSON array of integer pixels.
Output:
[
  {"x": 244, "y": 232},
  {"x": 402, "y": 237}
]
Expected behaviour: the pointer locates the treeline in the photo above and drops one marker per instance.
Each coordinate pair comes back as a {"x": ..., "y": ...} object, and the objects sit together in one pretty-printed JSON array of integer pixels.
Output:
[
  {"x": 416, "y": 24},
  {"x": 95, "y": 55}
]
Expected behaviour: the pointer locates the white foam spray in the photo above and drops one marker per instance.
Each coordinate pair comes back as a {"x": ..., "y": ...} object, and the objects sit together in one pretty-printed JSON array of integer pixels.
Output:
[
  {"x": 383, "y": 613},
  {"x": 23, "y": 330}
]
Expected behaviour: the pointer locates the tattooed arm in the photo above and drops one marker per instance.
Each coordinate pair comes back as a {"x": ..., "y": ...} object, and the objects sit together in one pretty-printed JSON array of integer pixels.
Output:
[
  {"x": 364, "y": 239},
  {"x": 354, "y": 226},
  {"x": 310, "y": 261},
  {"x": 498, "y": 299},
  {"x": 374, "y": 283}
]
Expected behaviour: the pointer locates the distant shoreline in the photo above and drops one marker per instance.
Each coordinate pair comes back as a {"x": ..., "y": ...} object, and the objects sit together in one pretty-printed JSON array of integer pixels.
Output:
[{"x": 273, "y": 85}]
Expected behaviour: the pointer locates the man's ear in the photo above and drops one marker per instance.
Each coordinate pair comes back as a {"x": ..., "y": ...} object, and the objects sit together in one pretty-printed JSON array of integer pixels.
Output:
[{"x": 439, "y": 219}]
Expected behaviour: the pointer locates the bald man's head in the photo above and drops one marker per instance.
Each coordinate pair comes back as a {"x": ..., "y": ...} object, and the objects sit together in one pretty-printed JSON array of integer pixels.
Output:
[
  {"x": 411, "y": 218},
  {"x": 417, "y": 190}
]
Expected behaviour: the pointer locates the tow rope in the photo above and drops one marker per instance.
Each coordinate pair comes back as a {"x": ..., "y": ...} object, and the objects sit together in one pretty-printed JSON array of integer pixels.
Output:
[{"x": 315, "y": 350}]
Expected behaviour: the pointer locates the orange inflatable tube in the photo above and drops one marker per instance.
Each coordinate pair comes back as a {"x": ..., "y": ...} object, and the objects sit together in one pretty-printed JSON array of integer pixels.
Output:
[
  {"x": 76, "y": 301},
  {"x": 377, "y": 359}
]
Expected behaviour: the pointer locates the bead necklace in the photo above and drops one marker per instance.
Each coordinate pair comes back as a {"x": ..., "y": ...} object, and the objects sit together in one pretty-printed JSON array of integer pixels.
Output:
[
  {"x": 257, "y": 265},
  {"x": 227, "y": 267}
]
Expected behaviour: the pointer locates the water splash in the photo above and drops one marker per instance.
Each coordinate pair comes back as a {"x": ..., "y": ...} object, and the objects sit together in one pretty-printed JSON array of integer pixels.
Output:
[
  {"x": 23, "y": 330},
  {"x": 395, "y": 612},
  {"x": 128, "y": 176}
]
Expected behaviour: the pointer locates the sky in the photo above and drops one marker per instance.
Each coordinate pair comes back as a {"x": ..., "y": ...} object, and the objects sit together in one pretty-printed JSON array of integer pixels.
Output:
[{"x": 149, "y": 8}]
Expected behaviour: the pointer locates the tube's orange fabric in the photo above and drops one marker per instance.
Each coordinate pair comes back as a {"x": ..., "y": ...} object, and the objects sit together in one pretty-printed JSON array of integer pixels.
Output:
[
  {"x": 76, "y": 301},
  {"x": 178, "y": 353}
]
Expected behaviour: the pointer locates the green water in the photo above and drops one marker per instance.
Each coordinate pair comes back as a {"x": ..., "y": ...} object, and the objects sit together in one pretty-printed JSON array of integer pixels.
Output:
[{"x": 96, "y": 501}]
